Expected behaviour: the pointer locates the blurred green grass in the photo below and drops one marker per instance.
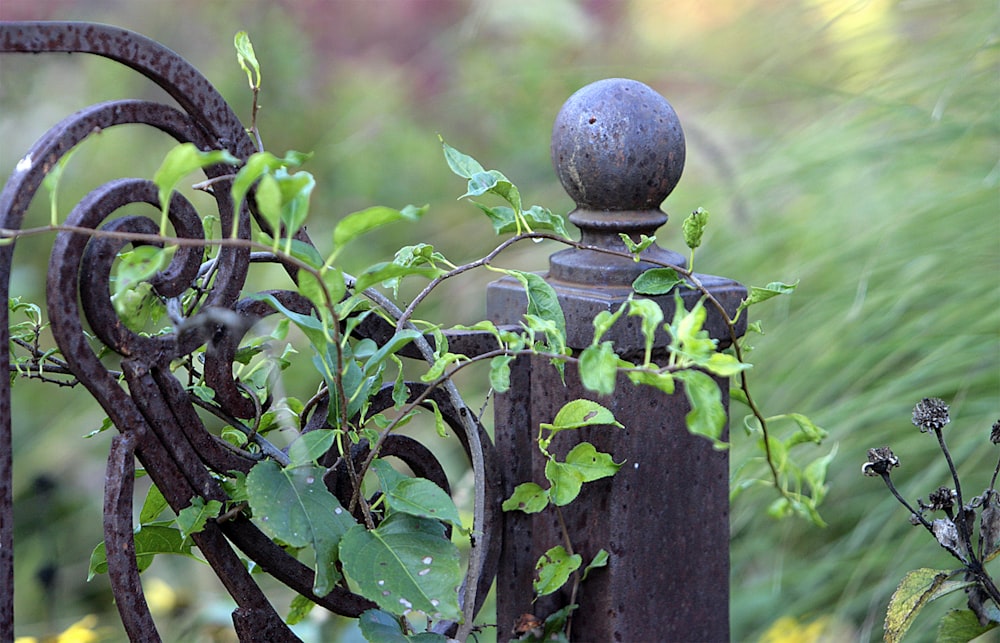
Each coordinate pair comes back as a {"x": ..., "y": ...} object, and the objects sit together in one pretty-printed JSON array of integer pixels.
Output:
[{"x": 852, "y": 146}]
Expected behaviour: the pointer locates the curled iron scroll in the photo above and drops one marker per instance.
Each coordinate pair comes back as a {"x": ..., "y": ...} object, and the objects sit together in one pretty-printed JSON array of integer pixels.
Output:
[{"x": 158, "y": 424}]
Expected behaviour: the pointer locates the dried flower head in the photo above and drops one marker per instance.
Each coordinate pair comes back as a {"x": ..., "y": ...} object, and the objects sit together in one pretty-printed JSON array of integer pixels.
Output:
[
  {"x": 941, "y": 500},
  {"x": 930, "y": 413},
  {"x": 880, "y": 462},
  {"x": 995, "y": 433}
]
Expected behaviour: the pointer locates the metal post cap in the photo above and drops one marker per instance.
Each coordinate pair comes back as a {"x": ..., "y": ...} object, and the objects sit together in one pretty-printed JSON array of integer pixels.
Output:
[{"x": 618, "y": 145}]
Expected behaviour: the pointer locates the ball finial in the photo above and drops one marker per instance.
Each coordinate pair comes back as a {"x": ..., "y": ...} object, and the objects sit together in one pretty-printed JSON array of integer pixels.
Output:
[{"x": 618, "y": 145}]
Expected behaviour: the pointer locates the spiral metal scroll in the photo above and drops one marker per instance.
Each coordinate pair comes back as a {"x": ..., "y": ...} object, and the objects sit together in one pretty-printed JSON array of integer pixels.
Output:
[{"x": 157, "y": 423}]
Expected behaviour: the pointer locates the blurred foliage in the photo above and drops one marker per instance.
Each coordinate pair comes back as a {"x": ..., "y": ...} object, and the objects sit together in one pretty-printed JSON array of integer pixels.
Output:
[{"x": 851, "y": 145}]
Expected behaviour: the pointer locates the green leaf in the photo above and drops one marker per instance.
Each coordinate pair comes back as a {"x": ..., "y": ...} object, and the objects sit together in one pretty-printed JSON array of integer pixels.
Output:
[
  {"x": 461, "y": 164},
  {"x": 296, "y": 189},
  {"x": 652, "y": 317},
  {"x": 725, "y": 365},
  {"x": 707, "y": 416},
  {"x": 378, "y": 626},
  {"x": 502, "y": 218},
  {"x": 299, "y": 609},
  {"x": 416, "y": 496},
  {"x": 500, "y": 373},
  {"x": 542, "y": 301},
  {"x": 154, "y": 505},
  {"x": 310, "y": 446},
  {"x": 358, "y": 223},
  {"x": 554, "y": 569},
  {"x": 599, "y": 368},
  {"x": 918, "y": 588},
  {"x": 581, "y": 413},
  {"x": 439, "y": 424},
  {"x": 178, "y": 163},
  {"x": 656, "y": 281},
  {"x": 961, "y": 626},
  {"x": 332, "y": 283},
  {"x": 397, "y": 341},
  {"x": 604, "y": 320},
  {"x": 540, "y": 218},
  {"x": 404, "y": 565},
  {"x": 566, "y": 482},
  {"x": 294, "y": 506},
  {"x": 663, "y": 381},
  {"x": 694, "y": 226},
  {"x": 392, "y": 273},
  {"x": 636, "y": 248},
  {"x": 590, "y": 463},
  {"x": 149, "y": 541},
  {"x": 527, "y": 497},
  {"x": 600, "y": 560},
  {"x": 247, "y": 59},
  {"x": 140, "y": 264},
  {"x": 192, "y": 519},
  {"x": 758, "y": 295}
]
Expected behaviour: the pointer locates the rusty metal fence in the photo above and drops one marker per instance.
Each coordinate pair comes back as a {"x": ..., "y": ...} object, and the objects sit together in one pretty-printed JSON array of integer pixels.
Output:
[{"x": 618, "y": 149}]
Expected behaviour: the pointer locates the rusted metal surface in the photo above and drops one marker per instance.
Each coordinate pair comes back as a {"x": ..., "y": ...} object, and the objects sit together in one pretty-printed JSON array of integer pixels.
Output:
[
  {"x": 664, "y": 517},
  {"x": 155, "y": 416}
]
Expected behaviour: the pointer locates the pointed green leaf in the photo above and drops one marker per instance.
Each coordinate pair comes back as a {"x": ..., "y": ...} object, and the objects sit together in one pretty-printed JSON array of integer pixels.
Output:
[
  {"x": 590, "y": 463},
  {"x": 599, "y": 368},
  {"x": 707, "y": 416},
  {"x": 461, "y": 164},
  {"x": 656, "y": 281},
  {"x": 149, "y": 541},
  {"x": 247, "y": 59},
  {"x": 961, "y": 626},
  {"x": 554, "y": 569},
  {"x": 915, "y": 591},
  {"x": 500, "y": 373},
  {"x": 293, "y": 506},
  {"x": 422, "y": 498},
  {"x": 310, "y": 446},
  {"x": 154, "y": 505},
  {"x": 758, "y": 295},
  {"x": 662, "y": 381},
  {"x": 581, "y": 413},
  {"x": 358, "y": 223},
  {"x": 725, "y": 365},
  {"x": 527, "y": 497},
  {"x": 405, "y": 565},
  {"x": 178, "y": 163},
  {"x": 299, "y": 609},
  {"x": 566, "y": 481},
  {"x": 192, "y": 519}
]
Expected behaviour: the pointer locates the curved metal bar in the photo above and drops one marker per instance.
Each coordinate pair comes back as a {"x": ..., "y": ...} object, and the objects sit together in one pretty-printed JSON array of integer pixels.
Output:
[{"x": 119, "y": 541}]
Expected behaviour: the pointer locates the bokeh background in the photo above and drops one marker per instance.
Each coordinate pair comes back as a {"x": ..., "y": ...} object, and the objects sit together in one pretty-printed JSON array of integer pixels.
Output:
[{"x": 852, "y": 146}]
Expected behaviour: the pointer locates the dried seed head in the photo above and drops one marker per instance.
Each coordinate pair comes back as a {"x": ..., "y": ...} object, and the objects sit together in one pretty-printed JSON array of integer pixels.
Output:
[
  {"x": 930, "y": 413},
  {"x": 942, "y": 500},
  {"x": 880, "y": 461},
  {"x": 995, "y": 433}
]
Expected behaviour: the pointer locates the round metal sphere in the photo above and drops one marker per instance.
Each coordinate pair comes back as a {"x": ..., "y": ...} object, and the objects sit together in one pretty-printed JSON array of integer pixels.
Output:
[{"x": 618, "y": 145}]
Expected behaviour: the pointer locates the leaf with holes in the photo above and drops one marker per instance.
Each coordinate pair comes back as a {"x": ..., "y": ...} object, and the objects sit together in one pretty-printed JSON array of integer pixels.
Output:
[
  {"x": 527, "y": 497},
  {"x": 405, "y": 564},
  {"x": 554, "y": 569},
  {"x": 292, "y": 505}
]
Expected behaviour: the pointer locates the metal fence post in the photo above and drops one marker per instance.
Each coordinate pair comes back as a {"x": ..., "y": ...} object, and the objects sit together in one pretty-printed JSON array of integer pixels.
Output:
[{"x": 618, "y": 149}]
